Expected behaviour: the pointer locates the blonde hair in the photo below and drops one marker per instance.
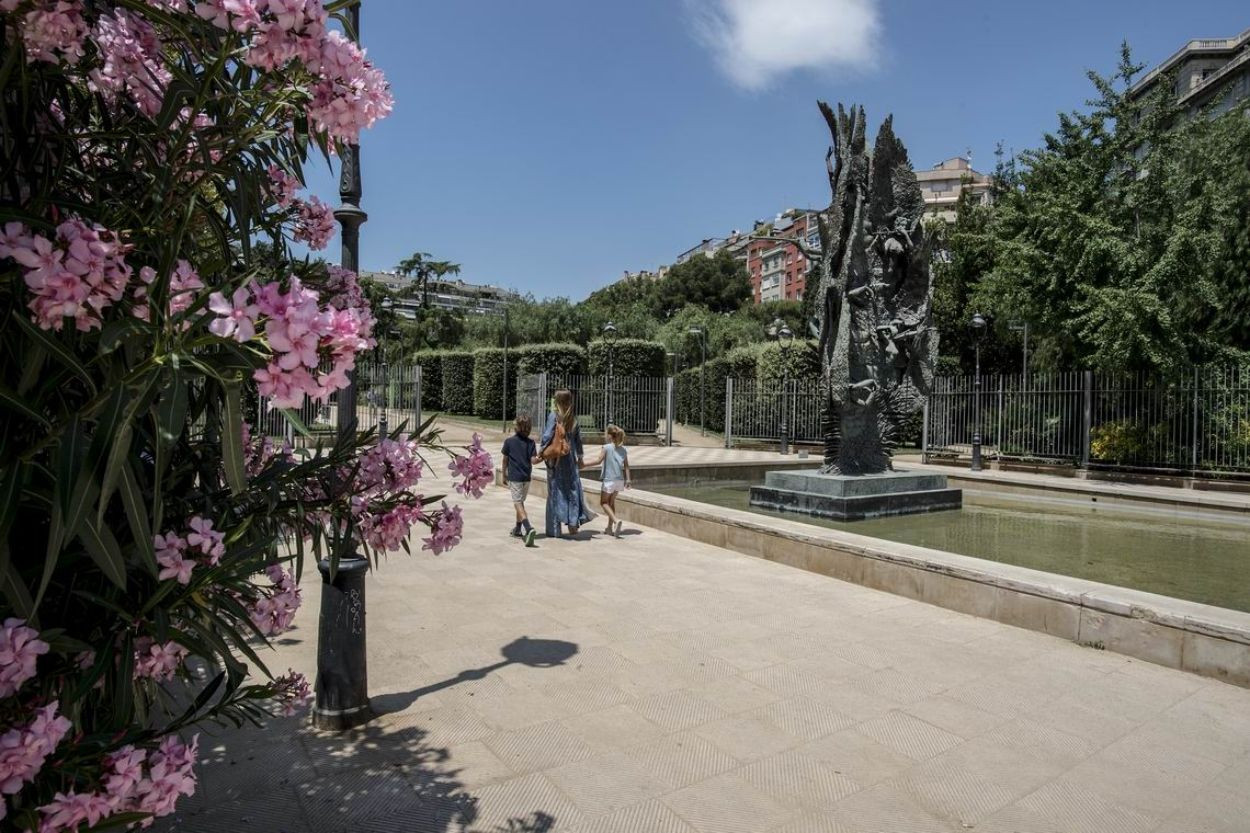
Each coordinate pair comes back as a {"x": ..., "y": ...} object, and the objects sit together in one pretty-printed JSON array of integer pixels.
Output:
[
  {"x": 565, "y": 412},
  {"x": 616, "y": 433}
]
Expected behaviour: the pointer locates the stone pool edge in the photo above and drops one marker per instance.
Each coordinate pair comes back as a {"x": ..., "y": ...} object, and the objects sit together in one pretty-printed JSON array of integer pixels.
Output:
[{"x": 1201, "y": 639}]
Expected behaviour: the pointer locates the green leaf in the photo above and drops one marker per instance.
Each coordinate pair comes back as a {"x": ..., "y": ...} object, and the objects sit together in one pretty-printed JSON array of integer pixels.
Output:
[
  {"x": 232, "y": 437},
  {"x": 69, "y": 456},
  {"x": 16, "y": 593},
  {"x": 104, "y": 550},
  {"x": 56, "y": 538},
  {"x": 171, "y": 411},
  {"x": 13, "y": 402},
  {"x": 136, "y": 514},
  {"x": 293, "y": 417},
  {"x": 55, "y": 349},
  {"x": 116, "y": 332},
  {"x": 113, "y": 467}
]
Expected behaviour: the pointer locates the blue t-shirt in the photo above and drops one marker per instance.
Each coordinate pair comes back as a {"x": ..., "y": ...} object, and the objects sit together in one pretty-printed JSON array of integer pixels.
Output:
[
  {"x": 614, "y": 462},
  {"x": 519, "y": 453}
]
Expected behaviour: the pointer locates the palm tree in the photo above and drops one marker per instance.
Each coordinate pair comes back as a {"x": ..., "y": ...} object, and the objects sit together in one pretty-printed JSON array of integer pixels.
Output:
[{"x": 419, "y": 265}]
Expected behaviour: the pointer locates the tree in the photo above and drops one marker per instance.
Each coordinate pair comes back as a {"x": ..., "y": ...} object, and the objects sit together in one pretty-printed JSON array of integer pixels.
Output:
[
  {"x": 419, "y": 265},
  {"x": 720, "y": 283},
  {"x": 1125, "y": 243}
]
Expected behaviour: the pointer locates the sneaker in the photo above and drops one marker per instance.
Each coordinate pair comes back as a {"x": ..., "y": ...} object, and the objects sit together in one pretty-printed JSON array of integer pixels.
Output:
[
  {"x": 516, "y": 532},
  {"x": 620, "y": 525},
  {"x": 529, "y": 536}
]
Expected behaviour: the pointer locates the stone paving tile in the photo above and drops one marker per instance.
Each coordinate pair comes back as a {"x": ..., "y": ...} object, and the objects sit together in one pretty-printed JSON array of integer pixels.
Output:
[
  {"x": 711, "y": 692},
  {"x": 727, "y": 804}
]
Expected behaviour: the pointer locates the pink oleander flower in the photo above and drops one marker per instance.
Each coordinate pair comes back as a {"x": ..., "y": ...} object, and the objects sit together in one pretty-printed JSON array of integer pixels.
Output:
[
  {"x": 124, "y": 772},
  {"x": 239, "y": 15},
  {"x": 389, "y": 465},
  {"x": 292, "y": 693},
  {"x": 175, "y": 566},
  {"x": 157, "y": 660},
  {"x": 132, "y": 62},
  {"x": 183, "y": 284},
  {"x": 388, "y": 531},
  {"x": 476, "y": 469},
  {"x": 283, "y": 186},
  {"x": 289, "y": 30},
  {"x": 24, "y": 750},
  {"x": 448, "y": 526},
  {"x": 171, "y": 773},
  {"x": 54, "y": 30},
  {"x": 344, "y": 289},
  {"x": 314, "y": 223},
  {"x": 209, "y": 542},
  {"x": 273, "y": 614},
  {"x": 69, "y": 810},
  {"x": 79, "y": 275},
  {"x": 237, "y": 316},
  {"x": 350, "y": 94},
  {"x": 20, "y": 648}
]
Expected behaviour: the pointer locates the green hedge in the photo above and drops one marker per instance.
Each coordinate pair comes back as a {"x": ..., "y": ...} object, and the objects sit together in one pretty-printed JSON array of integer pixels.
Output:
[
  {"x": 488, "y": 383},
  {"x": 552, "y": 358},
  {"x": 629, "y": 357},
  {"x": 743, "y": 362},
  {"x": 787, "y": 359},
  {"x": 457, "y": 382},
  {"x": 431, "y": 362},
  {"x": 687, "y": 393}
]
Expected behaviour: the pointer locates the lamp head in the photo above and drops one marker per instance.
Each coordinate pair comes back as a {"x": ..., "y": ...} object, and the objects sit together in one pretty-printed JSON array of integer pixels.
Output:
[{"x": 977, "y": 325}]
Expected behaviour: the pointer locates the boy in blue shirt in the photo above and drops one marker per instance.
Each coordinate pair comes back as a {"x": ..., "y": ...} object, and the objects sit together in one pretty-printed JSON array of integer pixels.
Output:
[{"x": 519, "y": 455}]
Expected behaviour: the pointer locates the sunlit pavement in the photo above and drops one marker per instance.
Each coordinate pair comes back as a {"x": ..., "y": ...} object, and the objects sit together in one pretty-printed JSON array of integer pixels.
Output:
[{"x": 664, "y": 685}]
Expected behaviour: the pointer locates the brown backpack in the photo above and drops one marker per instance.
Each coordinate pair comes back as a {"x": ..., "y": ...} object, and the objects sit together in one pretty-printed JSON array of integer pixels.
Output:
[{"x": 559, "y": 445}]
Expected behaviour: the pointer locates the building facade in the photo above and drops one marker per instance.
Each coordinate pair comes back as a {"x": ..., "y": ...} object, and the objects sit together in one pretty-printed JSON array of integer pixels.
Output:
[
  {"x": 1209, "y": 73},
  {"x": 945, "y": 182},
  {"x": 454, "y": 295},
  {"x": 779, "y": 268}
]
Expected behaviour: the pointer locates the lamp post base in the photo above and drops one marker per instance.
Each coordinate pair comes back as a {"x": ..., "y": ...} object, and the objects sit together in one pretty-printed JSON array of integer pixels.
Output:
[
  {"x": 342, "y": 686},
  {"x": 976, "y": 454}
]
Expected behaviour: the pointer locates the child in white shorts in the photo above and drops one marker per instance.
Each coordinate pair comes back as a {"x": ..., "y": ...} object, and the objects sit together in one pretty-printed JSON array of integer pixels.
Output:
[{"x": 615, "y": 475}]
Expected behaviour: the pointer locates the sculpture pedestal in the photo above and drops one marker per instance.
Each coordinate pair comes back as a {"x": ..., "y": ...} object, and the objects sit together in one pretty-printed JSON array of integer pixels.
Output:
[{"x": 843, "y": 497}]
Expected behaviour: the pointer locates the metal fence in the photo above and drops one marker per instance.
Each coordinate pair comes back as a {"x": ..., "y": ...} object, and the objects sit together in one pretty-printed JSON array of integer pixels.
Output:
[
  {"x": 387, "y": 396},
  {"x": 1199, "y": 420},
  {"x": 763, "y": 411},
  {"x": 639, "y": 404}
]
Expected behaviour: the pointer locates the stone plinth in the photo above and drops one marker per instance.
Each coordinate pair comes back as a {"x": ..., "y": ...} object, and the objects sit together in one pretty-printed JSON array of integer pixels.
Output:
[{"x": 855, "y": 497}]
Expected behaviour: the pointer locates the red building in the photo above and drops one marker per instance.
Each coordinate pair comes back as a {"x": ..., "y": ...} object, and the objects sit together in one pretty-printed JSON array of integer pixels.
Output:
[{"x": 779, "y": 268}]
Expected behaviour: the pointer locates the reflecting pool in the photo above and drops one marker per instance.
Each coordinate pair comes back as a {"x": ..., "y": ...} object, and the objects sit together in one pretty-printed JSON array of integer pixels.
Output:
[{"x": 1199, "y": 559}]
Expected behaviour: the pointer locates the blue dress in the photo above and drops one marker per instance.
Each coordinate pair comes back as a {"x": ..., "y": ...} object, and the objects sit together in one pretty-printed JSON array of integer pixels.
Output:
[{"x": 566, "y": 504}]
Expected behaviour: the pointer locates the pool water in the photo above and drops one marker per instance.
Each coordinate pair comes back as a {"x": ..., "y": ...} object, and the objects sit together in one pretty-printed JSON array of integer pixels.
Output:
[{"x": 1199, "y": 559}]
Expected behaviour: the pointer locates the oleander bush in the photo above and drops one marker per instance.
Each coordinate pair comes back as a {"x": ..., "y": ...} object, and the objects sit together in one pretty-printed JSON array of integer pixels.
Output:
[{"x": 150, "y": 541}]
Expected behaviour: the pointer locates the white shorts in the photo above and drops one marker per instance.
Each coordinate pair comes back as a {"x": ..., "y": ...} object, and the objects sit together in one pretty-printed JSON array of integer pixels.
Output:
[
  {"x": 519, "y": 491},
  {"x": 611, "y": 487}
]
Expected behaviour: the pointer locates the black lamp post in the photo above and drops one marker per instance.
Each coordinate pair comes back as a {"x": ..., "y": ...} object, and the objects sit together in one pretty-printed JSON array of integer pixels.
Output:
[
  {"x": 780, "y": 331},
  {"x": 1022, "y": 326},
  {"x": 701, "y": 332},
  {"x": 609, "y": 330},
  {"x": 342, "y": 687},
  {"x": 978, "y": 332}
]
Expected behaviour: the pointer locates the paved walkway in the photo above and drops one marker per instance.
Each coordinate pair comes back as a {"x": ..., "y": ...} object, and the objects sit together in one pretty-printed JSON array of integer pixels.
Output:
[{"x": 654, "y": 685}]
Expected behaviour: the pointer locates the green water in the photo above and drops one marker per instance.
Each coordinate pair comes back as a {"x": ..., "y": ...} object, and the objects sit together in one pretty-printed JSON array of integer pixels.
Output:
[{"x": 1196, "y": 559}]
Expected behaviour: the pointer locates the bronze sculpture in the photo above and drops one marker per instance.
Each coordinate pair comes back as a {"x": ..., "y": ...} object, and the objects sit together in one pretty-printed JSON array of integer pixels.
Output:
[{"x": 872, "y": 308}]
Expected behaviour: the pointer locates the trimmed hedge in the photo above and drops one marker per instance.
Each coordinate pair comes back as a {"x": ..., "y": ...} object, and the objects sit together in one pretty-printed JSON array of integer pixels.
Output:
[
  {"x": 629, "y": 357},
  {"x": 457, "y": 382},
  {"x": 743, "y": 362},
  {"x": 488, "y": 383},
  {"x": 431, "y": 362},
  {"x": 687, "y": 382},
  {"x": 787, "y": 359},
  {"x": 552, "y": 358}
]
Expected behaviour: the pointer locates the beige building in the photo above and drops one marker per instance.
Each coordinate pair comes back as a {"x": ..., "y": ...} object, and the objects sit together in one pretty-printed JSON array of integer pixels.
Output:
[
  {"x": 942, "y": 184},
  {"x": 1211, "y": 72}
]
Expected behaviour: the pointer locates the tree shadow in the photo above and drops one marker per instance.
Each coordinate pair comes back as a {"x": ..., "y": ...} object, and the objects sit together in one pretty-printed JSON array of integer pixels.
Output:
[
  {"x": 535, "y": 653},
  {"x": 373, "y": 779}
]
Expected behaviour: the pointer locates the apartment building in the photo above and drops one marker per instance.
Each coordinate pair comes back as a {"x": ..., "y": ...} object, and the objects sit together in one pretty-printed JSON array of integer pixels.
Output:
[
  {"x": 454, "y": 295},
  {"x": 779, "y": 268},
  {"x": 943, "y": 184},
  {"x": 1209, "y": 73}
]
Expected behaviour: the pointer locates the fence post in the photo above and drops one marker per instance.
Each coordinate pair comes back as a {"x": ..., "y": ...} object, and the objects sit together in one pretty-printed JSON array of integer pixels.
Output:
[
  {"x": 1087, "y": 415},
  {"x": 924, "y": 429},
  {"x": 998, "y": 427},
  {"x": 1193, "y": 454},
  {"x": 670, "y": 404},
  {"x": 417, "y": 382},
  {"x": 542, "y": 398},
  {"x": 729, "y": 411}
]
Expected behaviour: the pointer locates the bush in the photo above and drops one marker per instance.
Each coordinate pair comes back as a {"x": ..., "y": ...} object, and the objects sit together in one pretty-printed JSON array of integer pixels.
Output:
[
  {"x": 628, "y": 357},
  {"x": 488, "y": 383},
  {"x": 457, "y": 382},
  {"x": 431, "y": 362},
  {"x": 552, "y": 358},
  {"x": 787, "y": 359},
  {"x": 743, "y": 362},
  {"x": 688, "y": 386}
]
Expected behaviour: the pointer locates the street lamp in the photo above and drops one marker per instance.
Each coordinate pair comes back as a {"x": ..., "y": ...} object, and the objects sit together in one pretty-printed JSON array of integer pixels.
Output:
[
  {"x": 701, "y": 332},
  {"x": 342, "y": 684},
  {"x": 780, "y": 331},
  {"x": 1018, "y": 326},
  {"x": 978, "y": 326},
  {"x": 609, "y": 330},
  {"x": 503, "y": 408}
]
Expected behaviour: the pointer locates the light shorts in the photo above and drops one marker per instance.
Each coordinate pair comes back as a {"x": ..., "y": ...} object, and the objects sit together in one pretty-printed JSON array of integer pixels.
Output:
[
  {"x": 519, "y": 491},
  {"x": 611, "y": 487}
]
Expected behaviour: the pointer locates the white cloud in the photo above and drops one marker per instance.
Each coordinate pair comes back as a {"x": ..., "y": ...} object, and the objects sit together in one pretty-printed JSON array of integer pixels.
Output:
[{"x": 757, "y": 41}]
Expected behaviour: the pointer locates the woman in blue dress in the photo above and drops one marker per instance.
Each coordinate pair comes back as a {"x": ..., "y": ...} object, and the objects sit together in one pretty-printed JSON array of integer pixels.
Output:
[{"x": 566, "y": 504}]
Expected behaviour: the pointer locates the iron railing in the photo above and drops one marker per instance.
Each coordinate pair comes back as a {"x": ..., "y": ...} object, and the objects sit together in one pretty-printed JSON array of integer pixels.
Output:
[
  {"x": 387, "y": 396},
  {"x": 772, "y": 411},
  {"x": 639, "y": 404}
]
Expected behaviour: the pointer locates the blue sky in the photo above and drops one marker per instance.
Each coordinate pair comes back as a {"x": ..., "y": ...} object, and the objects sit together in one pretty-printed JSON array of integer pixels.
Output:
[{"x": 550, "y": 145}]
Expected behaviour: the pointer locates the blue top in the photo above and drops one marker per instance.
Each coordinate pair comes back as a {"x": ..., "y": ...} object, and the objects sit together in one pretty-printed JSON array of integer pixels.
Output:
[
  {"x": 519, "y": 452},
  {"x": 614, "y": 457}
]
